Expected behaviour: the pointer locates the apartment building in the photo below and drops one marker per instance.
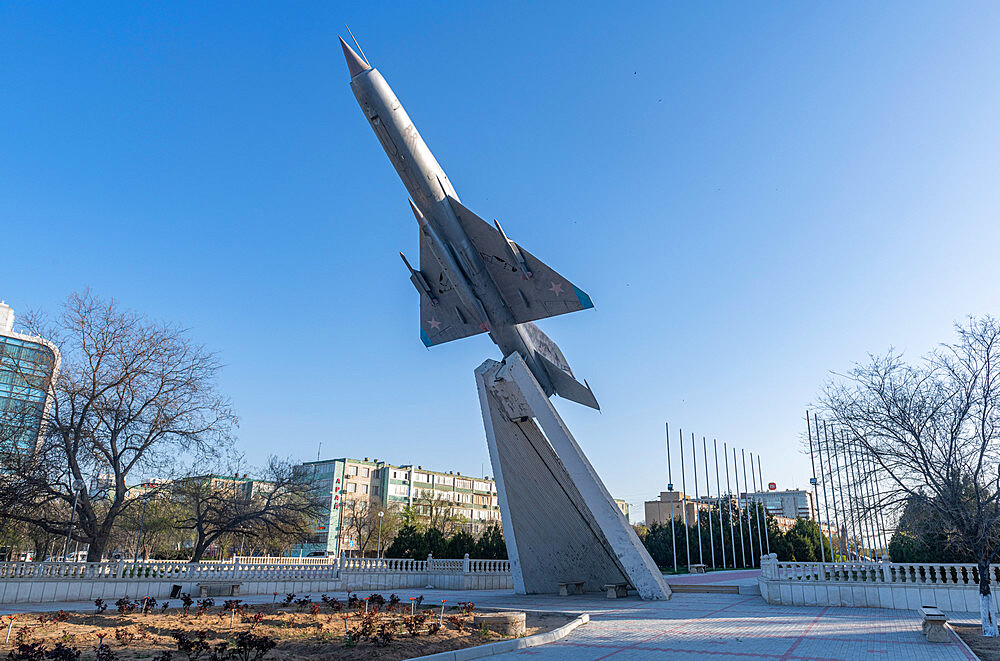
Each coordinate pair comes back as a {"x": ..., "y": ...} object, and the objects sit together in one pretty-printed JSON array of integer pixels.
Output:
[{"x": 357, "y": 485}]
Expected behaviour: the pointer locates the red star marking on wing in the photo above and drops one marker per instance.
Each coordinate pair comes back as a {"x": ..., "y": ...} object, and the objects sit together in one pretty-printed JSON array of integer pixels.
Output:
[
  {"x": 556, "y": 288},
  {"x": 434, "y": 323}
]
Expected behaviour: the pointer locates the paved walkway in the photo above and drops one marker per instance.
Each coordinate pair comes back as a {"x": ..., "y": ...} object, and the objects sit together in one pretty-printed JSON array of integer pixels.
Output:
[
  {"x": 724, "y": 577},
  {"x": 704, "y": 626}
]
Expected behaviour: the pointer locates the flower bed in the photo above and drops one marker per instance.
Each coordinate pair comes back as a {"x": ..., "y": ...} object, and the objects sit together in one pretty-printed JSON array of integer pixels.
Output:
[{"x": 293, "y": 627}]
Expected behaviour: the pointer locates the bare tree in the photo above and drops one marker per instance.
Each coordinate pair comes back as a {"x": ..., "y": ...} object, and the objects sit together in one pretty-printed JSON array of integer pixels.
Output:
[
  {"x": 929, "y": 434},
  {"x": 363, "y": 524},
  {"x": 132, "y": 395},
  {"x": 434, "y": 511},
  {"x": 281, "y": 502}
]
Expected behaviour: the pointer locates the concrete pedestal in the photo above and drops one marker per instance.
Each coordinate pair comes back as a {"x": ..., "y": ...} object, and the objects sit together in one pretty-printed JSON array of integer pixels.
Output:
[{"x": 559, "y": 521}]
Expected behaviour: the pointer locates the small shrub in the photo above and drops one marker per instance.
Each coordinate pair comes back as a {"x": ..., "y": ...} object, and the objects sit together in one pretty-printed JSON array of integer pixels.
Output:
[
  {"x": 467, "y": 607},
  {"x": 376, "y": 599},
  {"x": 335, "y": 604},
  {"x": 314, "y": 609},
  {"x": 148, "y": 604},
  {"x": 186, "y": 602},
  {"x": 204, "y": 605},
  {"x": 125, "y": 606},
  {"x": 163, "y": 609},
  {"x": 352, "y": 600},
  {"x": 192, "y": 645},
  {"x": 367, "y": 626},
  {"x": 289, "y": 598},
  {"x": 105, "y": 653},
  {"x": 101, "y": 605},
  {"x": 303, "y": 602},
  {"x": 256, "y": 619},
  {"x": 457, "y": 622},
  {"x": 61, "y": 616},
  {"x": 24, "y": 636},
  {"x": 394, "y": 600},
  {"x": 63, "y": 653},
  {"x": 386, "y": 632},
  {"x": 434, "y": 628},
  {"x": 251, "y": 647},
  {"x": 27, "y": 652},
  {"x": 124, "y": 636}
]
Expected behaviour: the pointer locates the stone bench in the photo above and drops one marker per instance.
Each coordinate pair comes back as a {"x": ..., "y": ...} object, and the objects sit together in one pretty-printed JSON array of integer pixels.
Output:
[
  {"x": 933, "y": 625},
  {"x": 697, "y": 569},
  {"x": 219, "y": 588},
  {"x": 616, "y": 590},
  {"x": 564, "y": 588}
]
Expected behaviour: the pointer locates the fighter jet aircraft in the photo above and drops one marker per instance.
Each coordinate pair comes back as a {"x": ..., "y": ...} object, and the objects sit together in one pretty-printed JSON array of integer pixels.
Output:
[{"x": 471, "y": 278}]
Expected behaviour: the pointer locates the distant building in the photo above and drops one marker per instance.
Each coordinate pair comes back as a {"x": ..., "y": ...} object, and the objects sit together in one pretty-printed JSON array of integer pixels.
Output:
[
  {"x": 791, "y": 503},
  {"x": 356, "y": 484},
  {"x": 28, "y": 369},
  {"x": 671, "y": 504},
  {"x": 623, "y": 506}
]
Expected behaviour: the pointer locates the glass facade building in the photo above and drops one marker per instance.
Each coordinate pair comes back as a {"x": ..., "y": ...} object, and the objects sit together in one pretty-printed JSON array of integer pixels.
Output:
[{"x": 28, "y": 367}]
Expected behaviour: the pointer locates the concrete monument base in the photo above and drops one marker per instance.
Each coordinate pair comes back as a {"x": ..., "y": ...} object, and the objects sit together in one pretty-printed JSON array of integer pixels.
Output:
[{"x": 559, "y": 521}]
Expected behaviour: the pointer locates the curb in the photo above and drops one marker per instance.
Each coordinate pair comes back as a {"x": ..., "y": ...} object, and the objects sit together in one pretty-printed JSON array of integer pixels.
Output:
[
  {"x": 961, "y": 643},
  {"x": 505, "y": 646}
]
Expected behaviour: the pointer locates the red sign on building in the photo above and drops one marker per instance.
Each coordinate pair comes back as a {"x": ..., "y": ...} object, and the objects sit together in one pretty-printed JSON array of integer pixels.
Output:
[{"x": 772, "y": 486}]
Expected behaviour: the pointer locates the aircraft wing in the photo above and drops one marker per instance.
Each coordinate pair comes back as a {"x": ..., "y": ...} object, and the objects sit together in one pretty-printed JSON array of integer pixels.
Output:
[
  {"x": 544, "y": 294},
  {"x": 448, "y": 319}
]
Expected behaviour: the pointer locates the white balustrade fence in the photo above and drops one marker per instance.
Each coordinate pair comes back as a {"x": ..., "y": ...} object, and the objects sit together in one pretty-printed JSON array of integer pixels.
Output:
[
  {"x": 72, "y": 581},
  {"x": 949, "y": 586}
]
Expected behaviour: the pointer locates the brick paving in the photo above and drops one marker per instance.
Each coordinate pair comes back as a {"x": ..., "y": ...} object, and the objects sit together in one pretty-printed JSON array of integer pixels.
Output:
[{"x": 703, "y": 626}]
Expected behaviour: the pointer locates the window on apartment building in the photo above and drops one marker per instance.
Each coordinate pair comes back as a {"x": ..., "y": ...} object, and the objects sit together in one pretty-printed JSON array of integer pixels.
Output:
[
  {"x": 365, "y": 472},
  {"x": 375, "y": 490},
  {"x": 364, "y": 488},
  {"x": 420, "y": 477},
  {"x": 352, "y": 470},
  {"x": 463, "y": 484},
  {"x": 351, "y": 487},
  {"x": 445, "y": 480}
]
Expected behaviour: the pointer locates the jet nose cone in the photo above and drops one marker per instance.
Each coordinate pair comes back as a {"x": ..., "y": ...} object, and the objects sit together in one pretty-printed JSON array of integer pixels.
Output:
[{"x": 354, "y": 62}]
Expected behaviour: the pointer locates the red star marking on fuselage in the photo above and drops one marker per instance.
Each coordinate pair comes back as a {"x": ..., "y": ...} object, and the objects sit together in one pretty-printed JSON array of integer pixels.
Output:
[
  {"x": 434, "y": 323},
  {"x": 556, "y": 288}
]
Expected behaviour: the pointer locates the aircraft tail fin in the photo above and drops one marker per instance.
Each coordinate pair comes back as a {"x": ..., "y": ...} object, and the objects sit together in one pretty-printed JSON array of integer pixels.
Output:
[{"x": 558, "y": 369}]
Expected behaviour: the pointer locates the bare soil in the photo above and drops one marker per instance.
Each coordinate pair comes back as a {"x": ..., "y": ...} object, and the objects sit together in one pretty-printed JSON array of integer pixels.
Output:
[
  {"x": 987, "y": 649},
  {"x": 298, "y": 632}
]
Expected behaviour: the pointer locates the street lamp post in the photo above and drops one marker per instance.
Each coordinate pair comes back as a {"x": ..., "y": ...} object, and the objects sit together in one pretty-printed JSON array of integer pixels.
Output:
[
  {"x": 78, "y": 486},
  {"x": 379, "y": 549},
  {"x": 142, "y": 522}
]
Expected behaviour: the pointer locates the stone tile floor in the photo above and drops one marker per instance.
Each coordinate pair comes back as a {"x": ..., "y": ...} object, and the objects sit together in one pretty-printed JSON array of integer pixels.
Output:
[{"x": 704, "y": 626}]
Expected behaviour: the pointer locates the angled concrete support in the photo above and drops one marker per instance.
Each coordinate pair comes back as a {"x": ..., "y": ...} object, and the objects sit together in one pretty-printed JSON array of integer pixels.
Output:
[{"x": 559, "y": 522}]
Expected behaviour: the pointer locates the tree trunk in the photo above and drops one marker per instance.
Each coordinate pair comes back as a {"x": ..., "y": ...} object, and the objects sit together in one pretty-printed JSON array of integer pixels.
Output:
[
  {"x": 986, "y": 611},
  {"x": 96, "y": 549}
]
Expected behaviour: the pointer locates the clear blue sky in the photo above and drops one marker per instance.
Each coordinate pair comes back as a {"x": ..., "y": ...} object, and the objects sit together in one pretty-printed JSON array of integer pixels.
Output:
[{"x": 753, "y": 195}]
